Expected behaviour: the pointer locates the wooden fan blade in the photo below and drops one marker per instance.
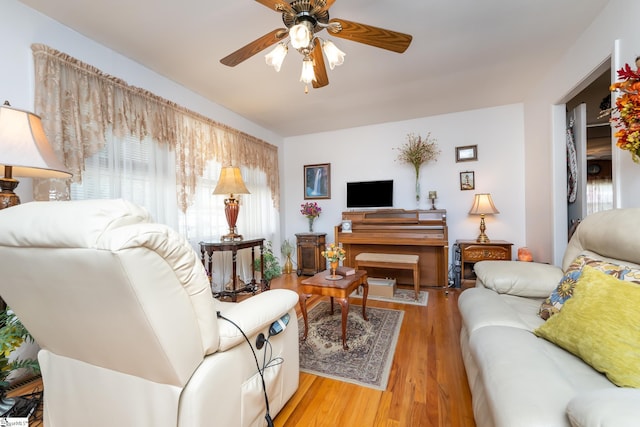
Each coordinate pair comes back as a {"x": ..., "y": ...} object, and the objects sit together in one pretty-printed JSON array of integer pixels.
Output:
[
  {"x": 367, "y": 34},
  {"x": 277, "y": 5},
  {"x": 320, "y": 5},
  {"x": 319, "y": 69},
  {"x": 254, "y": 47}
]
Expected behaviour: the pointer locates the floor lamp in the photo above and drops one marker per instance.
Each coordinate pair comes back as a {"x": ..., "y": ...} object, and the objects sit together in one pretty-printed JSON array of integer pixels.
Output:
[
  {"x": 231, "y": 183},
  {"x": 483, "y": 205}
]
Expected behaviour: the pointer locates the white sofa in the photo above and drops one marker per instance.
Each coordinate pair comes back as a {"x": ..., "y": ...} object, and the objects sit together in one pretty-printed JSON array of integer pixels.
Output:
[
  {"x": 124, "y": 315},
  {"x": 518, "y": 379}
]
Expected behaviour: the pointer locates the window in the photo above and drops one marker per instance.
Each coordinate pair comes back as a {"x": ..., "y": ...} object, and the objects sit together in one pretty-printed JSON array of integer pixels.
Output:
[{"x": 143, "y": 172}]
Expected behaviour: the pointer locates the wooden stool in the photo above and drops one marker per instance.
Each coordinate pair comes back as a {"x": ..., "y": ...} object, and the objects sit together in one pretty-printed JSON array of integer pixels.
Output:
[{"x": 392, "y": 261}]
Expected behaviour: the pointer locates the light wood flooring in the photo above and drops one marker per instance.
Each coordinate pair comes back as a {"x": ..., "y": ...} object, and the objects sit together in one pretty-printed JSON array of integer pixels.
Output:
[{"x": 427, "y": 384}]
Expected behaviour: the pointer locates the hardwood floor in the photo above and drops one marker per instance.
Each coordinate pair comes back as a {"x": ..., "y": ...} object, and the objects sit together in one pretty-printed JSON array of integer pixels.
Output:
[{"x": 427, "y": 384}]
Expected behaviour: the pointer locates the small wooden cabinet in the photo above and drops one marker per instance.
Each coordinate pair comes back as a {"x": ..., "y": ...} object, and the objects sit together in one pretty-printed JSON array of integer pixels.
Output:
[
  {"x": 310, "y": 246},
  {"x": 472, "y": 252}
]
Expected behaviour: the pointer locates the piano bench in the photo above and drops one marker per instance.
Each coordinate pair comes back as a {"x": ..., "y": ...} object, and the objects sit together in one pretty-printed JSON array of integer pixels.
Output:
[{"x": 391, "y": 261}]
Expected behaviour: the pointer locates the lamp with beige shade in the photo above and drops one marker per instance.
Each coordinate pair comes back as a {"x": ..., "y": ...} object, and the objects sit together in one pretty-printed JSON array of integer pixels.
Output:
[
  {"x": 24, "y": 151},
  {"x": 231, "y": 183},
  {"x": 483, "y": 205}
]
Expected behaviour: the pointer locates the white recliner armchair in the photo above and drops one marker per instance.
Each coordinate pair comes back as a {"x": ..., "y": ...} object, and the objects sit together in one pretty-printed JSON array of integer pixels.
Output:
[{"x": 124, "y": 316}]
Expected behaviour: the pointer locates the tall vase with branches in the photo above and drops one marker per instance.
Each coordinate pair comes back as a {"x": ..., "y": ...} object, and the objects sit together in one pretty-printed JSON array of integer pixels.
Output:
[
  {"x": 286, "y": 248},
  {"x": 418, "y": 151}
]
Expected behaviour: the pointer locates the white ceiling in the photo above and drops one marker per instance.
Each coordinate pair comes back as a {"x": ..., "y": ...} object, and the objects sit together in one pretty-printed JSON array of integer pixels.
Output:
[{"x": 465, "y": 54}]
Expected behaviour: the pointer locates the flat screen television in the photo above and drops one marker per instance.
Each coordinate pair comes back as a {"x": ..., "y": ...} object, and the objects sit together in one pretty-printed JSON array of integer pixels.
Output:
[{"x": 370, "y": 194}]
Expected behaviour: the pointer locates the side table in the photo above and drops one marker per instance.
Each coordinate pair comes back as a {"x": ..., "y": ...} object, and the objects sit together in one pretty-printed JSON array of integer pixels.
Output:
[
  {"x": 472, "y": 252},
  {"x": 338, "y": 289},
  {"x": 309, "y": 248},
  {"x": 208, "y": 248}
]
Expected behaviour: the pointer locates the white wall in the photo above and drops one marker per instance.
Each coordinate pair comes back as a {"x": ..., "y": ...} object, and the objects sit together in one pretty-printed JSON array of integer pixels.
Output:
[
  {"x": 367, "y": 153},
  {"x": 21, "y": 26},
  {"x": 522, "y": 141},
  {"x": 544, "y": 144}
]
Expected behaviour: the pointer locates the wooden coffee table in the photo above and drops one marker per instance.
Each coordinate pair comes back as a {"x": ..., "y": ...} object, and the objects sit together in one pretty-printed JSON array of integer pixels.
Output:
[{"x": 339, "y": 289}]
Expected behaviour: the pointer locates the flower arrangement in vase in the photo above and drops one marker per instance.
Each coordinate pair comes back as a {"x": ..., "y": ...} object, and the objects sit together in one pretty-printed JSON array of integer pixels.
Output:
[
  {"x": 311, "y": 210},
  {"x": 334, "y": 254},
  {"x": 628, "y": 107},
  {"x": 418, "y": 151}
]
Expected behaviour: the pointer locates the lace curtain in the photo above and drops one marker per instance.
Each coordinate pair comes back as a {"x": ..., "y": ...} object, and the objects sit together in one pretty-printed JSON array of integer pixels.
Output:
[
  {"x": 79, "y": 105},
  {"x": 121, "y": 141}
]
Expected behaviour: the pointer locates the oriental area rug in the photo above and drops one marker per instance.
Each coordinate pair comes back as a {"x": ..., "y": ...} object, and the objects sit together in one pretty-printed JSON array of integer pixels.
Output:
[
  {"x": 372, "y": 344},
  {"x": 402, "y": 296}
]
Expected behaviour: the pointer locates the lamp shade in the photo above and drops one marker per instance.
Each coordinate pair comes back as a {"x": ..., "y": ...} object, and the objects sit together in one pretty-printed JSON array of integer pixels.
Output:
[
  {"x": 334, "y": 55},
  {"x": 276, "y": 56},
  {"x": 24, "y": 146},
  {"x": 307, "y": 75},
  {"x": 230, "y": 182},
  {"x": 301, "y": 34},
  {"x": 483, "y": 205}
]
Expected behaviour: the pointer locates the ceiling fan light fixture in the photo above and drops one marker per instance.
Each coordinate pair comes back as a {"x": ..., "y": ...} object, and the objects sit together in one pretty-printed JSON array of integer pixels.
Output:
[
  {"x": 307, "y": 75},
  {"x": 334, "y": 55},
  {"x": 275, "y": 58},
  {"x": 301, "y": 35}
]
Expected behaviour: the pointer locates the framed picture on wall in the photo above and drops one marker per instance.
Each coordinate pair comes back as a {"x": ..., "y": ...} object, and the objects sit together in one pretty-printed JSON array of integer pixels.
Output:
[
  {"x": 317, "y": 181},
  {"x": 467, "y": 180},
  {"x": 467, "y": 153}
]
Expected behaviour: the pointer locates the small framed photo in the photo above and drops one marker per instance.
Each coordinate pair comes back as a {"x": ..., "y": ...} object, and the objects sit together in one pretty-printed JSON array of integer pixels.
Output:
[
  {"x": 467, "y": 153},
  {"x": 467, "y": 180},
  {"x": 317, "y": 181}
]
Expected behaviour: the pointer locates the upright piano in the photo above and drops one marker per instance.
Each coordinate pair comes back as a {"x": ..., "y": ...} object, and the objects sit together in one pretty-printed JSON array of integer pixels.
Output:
[{"x": 399, "y": 231}]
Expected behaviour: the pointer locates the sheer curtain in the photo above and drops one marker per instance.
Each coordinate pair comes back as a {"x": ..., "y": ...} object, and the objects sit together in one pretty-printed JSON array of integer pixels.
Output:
[
  {"x": 599, "y": 195},
  {"x": 81, "y": 106},
  {"x": 205, "y": 220},
  {"x": 143, "y": 172},
  {"x": 120, "y": 141},
  {"x": 138, "y": 171}
]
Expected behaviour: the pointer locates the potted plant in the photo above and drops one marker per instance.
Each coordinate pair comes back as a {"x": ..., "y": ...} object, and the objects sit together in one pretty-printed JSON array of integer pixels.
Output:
[
  {"x": 12, "y": 335},
  {"x": 286, "y": 248},
  {"x": 271, "y": 264}
]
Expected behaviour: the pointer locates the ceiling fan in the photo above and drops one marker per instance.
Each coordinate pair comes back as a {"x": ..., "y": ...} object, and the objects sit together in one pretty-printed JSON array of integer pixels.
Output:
[{"x": 303, "y": 19}]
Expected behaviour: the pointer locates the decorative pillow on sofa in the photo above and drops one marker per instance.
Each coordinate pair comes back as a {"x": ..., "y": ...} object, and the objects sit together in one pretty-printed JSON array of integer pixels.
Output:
[
  {"x": 564, "y": 290},
  {"x": 600, "y": 325}
]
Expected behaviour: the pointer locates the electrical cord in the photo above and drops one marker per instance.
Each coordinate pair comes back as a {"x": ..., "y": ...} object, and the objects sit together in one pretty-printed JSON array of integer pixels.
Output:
[{"x": 272, "y": 362}]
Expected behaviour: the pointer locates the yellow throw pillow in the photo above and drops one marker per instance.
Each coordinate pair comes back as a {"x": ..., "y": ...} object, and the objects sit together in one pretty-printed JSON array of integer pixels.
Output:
[{"x": 601, "y": 325}]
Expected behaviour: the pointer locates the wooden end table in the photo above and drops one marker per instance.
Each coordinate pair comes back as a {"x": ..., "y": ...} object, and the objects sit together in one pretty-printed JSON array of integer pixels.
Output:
[
  {"x": 206, "y": 254},
  {"x": 339, "y": 289}
]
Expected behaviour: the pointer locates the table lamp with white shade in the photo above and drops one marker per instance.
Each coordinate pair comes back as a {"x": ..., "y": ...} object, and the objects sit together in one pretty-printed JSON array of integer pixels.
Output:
[
  {"x": 25, "y": 152},
  {"x": 483, "y": 205}
]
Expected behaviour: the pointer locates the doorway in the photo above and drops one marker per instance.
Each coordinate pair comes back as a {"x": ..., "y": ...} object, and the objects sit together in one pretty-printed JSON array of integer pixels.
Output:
[{"x": 595, "y": 177}]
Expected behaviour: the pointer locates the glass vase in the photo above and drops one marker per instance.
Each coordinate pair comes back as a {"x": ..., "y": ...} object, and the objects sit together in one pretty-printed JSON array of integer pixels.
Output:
[
  {"x": 288, "y": 265},
  {"x": 311, "y": 219},
  {"x": 334, "y": 267}
]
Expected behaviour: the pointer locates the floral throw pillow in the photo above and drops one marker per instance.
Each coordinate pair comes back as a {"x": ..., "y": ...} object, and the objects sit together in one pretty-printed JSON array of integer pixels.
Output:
[{"x": 564, "y": 290}]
